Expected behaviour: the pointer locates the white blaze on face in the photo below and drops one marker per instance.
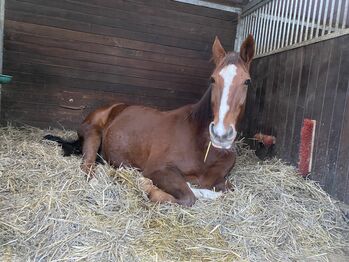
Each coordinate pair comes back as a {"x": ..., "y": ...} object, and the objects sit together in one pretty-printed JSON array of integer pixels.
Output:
[{"x": 227, "y": 73}]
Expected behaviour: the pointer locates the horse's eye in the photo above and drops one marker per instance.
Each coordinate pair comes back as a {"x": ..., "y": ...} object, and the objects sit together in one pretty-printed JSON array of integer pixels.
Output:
[
  {"x": 248, "y": 82},
  {"x": 212, "y": 80}
]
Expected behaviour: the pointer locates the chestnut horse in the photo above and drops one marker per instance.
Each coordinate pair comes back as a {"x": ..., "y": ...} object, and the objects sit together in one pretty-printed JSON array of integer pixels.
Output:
[{"x": 169, "y": 147}]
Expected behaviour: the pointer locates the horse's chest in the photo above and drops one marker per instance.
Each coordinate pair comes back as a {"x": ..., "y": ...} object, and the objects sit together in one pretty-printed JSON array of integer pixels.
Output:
[{"x": 192, "y": 163}]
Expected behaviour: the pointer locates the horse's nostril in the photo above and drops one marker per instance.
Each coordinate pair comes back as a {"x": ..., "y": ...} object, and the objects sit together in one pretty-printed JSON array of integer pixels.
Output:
[
  {"x": 212, "y": 131},
  {"x": 230, "y": 132}
]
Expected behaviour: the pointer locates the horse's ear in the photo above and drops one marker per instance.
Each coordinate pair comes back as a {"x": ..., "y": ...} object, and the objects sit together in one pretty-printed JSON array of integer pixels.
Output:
[
  {"x": 218, "y": 51},
  {"x": 247, "y": 49}
]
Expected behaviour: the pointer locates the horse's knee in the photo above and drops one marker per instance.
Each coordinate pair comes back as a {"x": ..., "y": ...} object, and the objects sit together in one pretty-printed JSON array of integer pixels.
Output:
[
  {"x": 154, "y": 193},
  {"x": 171, "y": 181},
  {"x": 224, "y": 186}
]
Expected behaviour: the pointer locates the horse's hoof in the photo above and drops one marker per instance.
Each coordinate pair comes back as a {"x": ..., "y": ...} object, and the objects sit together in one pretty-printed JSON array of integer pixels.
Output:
[
  {"x": 146, "y": 185},
  {"x": 187, "y": 201},
  {"x": 228, "y": 186}
]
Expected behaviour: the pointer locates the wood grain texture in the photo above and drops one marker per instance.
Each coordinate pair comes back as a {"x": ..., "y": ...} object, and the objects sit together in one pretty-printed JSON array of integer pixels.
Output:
[
  {"x": 71, "y": 55},
  {"x": 308, "y": 82}
]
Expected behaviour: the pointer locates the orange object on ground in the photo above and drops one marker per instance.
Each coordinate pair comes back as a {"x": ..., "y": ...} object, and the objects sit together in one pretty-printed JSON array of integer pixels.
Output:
[{"x": 265, "y": 139}]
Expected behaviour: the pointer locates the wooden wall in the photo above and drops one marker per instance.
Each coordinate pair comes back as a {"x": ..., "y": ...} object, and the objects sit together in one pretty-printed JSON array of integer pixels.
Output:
[
  {"x": 307, "y": 82},
  {"x": 69, "y": 57}
]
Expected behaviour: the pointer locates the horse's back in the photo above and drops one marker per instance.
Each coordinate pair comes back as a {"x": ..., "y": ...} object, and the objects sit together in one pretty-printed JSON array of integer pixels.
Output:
[{"x": 138, "y": 132}]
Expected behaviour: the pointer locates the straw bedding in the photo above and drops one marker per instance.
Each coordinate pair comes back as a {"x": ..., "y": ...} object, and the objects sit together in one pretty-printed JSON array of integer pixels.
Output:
[{"x": 48, "y": 212}]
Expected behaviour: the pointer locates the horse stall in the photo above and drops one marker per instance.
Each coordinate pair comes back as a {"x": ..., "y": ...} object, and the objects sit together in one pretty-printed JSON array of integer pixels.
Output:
[{"x": 61, "y": 60}]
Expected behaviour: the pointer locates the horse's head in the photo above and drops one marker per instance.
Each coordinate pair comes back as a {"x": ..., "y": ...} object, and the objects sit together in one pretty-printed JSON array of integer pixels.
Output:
[{"x": 230, "y": 81}]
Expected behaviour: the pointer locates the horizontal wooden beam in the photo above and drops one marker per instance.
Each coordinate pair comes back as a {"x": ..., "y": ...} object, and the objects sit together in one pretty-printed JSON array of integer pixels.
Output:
[{"x": 222, "y": 7}]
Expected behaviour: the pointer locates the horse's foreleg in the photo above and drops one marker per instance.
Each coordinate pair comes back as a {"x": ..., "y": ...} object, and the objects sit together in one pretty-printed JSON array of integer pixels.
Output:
[
  {"x": 154, "y": 193},
  {"x": 222, "y": 185},
  {"x": 171, "y": 181}
]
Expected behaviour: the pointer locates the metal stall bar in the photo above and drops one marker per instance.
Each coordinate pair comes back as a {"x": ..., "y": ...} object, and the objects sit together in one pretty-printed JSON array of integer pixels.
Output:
[
  {"x": 303, "y": 21},
  {"x": 298, "y": 22},
  {"x": 272, "y": 26},
  {"x": 314, "y": 20},
  {"x": 325, "y": 19},
  {"x": 293, "y": 23},
  {"x": 267, "y": 27},
  {"x": 346, "y": 7},
  {"x": 308, "y": 21},
  {"x": 258, "y": 32},
  {"x": 338, "y": 14},
  {"x": 331, "y": 16},
  {"x": 278, "y": 21},
  {"x": 264, "y": 27},
  {"x": 282, "y": 26},
  {"x": 288, "y": 24},
  {"x": 319, "y": 19}
]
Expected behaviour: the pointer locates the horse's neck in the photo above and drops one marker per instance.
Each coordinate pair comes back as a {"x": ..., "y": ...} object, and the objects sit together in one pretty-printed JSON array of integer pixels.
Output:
[{"x": 201, "y": 112}]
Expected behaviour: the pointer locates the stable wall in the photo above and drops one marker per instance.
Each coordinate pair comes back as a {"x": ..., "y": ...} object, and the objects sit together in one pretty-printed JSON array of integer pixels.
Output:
[
  {"x": 69, "y": 57},
  {"x": 307, "y": 82}
]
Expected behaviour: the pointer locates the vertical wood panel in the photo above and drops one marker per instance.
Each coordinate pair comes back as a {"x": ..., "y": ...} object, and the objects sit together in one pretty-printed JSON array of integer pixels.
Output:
[
  {"x": 273, "y": 97},
  {"x": 285, "y": 101},
  {"x": 337, "y": 153},
  {"x": 311, "y": 82},
  {"x": 294, "y": 85},
  {"x": 302, "y": 89},
  {"x": 268, "y": 98},
  {"x": 326, "y": 114},
  {"x": 319, "y": 101},
  {"x": 279, "y": 117}
]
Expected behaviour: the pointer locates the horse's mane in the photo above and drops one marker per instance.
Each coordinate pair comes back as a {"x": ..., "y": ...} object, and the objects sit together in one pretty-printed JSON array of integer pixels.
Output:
[{"x": 202, "y": 110}]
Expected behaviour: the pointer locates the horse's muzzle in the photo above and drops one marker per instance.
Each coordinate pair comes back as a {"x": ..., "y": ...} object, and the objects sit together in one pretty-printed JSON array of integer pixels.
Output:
[{"x": 224, "y": 141}]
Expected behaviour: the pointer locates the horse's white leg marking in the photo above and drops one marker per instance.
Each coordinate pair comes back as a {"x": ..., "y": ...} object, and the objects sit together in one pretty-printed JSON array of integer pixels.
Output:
[
  {"x": 227, "y": 73},
  {"x": 204, "y": 193}
]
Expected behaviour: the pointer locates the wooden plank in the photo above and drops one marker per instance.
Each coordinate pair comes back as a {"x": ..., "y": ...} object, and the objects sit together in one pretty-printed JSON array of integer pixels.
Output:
[
  {"x": 151, "y": 23},
  {"x": 55, "y": 21},
  {"x": 44, "y": 50},
  {"x": 279, "y": 110},
  {"x": 283, "y": 141},
  {"x": 341, "y": 185},
  {"x": 293, "y": 80},
  {"x": 335, "y": 179},
  {"x": 74, "y": 83},
  {"x": 102, "y": 25},
  {"x": 318, "y": 102},
  {"x": 50, "y": 93},
  {"x": 268, "y": 98},
  {"x": 112, "y": 41},
  {"x": 54, "y": 110},
  {"x": 37, "y": 58},
  {"x": 74, "y": 44},
  {"x": 250, "y": 101},
  {"x": 168, "y": 5},
  {"x": 313, "y": 81},
  {"x": 299, "y": 110},
  {"x": 270, "y": 126},
  {"x": 326, "y": 113},
  {"x": 44, "y": 70},
  {"x": 263, "y": 77},
  {"x": 73, "y": 100}
]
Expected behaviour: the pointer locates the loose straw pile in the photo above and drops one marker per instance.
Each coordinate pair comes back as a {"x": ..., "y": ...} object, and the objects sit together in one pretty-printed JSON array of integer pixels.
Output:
[{"x": 49, "y": 212}]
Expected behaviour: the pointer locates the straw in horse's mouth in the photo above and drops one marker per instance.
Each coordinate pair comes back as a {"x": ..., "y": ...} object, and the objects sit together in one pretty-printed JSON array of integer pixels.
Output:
[{"x": 228, "y": 144}]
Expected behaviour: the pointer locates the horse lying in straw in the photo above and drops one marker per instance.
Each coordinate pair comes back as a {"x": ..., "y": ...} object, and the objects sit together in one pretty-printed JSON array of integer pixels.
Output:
[{"x": 169, "y": 147}]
